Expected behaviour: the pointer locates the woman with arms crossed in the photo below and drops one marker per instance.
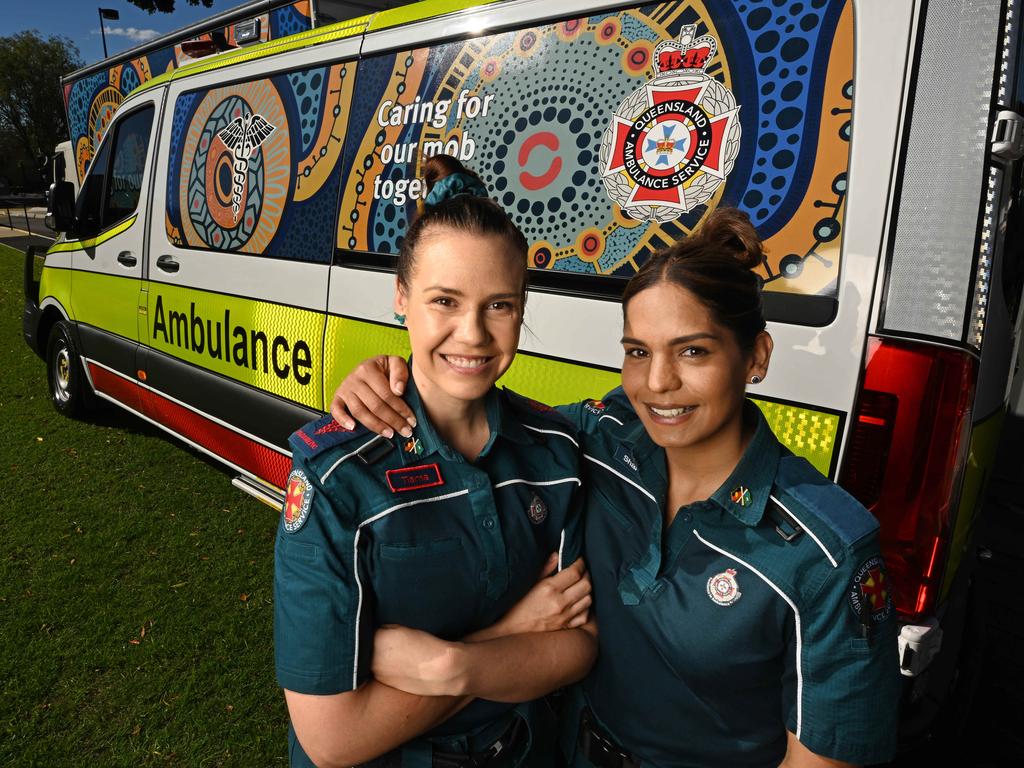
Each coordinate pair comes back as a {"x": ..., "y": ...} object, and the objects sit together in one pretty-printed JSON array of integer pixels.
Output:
[
  {"x": 440, "y": 532},
  {"x": 742, "y": 601}
]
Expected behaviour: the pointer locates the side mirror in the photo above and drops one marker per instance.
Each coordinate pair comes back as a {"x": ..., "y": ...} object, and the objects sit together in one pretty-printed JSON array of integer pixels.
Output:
[{"x": 60, "y": 207}]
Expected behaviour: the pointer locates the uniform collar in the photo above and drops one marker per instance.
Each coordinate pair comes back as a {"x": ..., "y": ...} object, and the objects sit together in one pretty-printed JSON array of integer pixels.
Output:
[
  {"x": 751, "y": 480},
  {"x": 500, "y": 421},
  {"x": 745, "y": 493}
]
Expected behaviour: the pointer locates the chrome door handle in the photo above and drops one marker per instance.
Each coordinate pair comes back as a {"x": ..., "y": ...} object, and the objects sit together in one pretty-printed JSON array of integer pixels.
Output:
[
  {"x": 167, "y": 263},
  {"x": 126, "y": 258}
]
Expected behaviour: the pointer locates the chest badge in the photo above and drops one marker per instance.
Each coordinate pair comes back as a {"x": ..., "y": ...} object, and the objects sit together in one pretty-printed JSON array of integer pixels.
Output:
[
  {"x": 538, "y": 510},
  {"x": 723, "y": 589},
  {"x": 297, "y": 501},
  {"x": 741, "y": 495},
  {"x": 413, "y": 446}
]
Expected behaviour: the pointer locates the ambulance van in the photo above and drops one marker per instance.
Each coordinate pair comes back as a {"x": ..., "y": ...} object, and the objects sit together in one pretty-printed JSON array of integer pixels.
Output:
[{"x": 230, "y": 255}]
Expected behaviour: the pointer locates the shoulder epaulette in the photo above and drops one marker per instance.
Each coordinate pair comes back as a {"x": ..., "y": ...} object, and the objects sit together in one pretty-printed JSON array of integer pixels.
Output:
[
  {"x": 318, "y": 436},
  {"x": 537, "y": 411},
  {"x": 829, "y": 505}
]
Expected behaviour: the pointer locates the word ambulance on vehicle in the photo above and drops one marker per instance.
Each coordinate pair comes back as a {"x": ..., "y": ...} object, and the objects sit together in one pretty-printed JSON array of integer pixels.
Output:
[{"x": 230, "y": 255}]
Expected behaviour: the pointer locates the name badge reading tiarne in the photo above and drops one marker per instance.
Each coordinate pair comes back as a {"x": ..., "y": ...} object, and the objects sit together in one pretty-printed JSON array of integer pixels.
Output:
[{"x": 414, "y": 478}]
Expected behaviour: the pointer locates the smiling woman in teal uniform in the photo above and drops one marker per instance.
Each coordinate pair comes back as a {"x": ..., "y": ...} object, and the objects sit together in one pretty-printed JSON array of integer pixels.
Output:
[
  {"x": 426, "y": 547},
  {"x": 742, "y": 602}
]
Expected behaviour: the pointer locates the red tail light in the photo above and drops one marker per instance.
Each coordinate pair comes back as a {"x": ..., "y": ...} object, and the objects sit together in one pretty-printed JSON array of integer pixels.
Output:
[{"x": 905, "y": 458}]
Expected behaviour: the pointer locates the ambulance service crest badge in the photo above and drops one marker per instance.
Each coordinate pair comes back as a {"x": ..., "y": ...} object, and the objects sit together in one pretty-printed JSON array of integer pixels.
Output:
[
  {"x": 538, "y": 510},
  {"x": 297, "y": 501},
  {"x": 674, "y": 140},
  {"x": 723, "y": 589}
]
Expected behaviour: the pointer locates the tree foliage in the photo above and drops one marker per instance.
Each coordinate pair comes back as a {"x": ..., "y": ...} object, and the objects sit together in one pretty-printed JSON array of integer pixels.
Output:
[
  {"x": 165, "y": 6},
  {"x": 32, "y": 119}
]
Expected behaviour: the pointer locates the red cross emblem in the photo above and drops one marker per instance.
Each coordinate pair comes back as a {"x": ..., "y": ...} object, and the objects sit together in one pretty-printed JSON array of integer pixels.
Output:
[
  {"x": 299, "y": 496},
  {"x": 873, "y": 587}
]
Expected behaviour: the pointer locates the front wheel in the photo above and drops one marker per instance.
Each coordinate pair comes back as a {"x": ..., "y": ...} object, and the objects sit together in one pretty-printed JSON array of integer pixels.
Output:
[{"x": 68, "y": 392}]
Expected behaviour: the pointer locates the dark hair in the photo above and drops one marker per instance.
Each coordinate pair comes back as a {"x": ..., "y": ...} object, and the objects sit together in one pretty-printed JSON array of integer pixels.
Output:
[
  {"x": 437, "y": 167},
  {"x": 714, "y": 264},
  {"x": 463, "y": 213}
]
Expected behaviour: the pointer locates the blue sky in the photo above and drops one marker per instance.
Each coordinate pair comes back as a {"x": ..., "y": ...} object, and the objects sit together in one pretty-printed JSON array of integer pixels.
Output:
[{"x": 79, "y": 20}]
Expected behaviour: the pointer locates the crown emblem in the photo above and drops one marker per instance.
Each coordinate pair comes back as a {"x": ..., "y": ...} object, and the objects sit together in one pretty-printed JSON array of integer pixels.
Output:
[{"x": 687, "y": 54}]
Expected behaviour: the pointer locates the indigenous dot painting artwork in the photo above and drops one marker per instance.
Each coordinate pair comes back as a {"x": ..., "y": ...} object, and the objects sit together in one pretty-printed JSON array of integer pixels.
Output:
[
  {"x": 610, "y": 136},
  {"x": 254, "y": 165},
  {"x": 92, "y": 100}
]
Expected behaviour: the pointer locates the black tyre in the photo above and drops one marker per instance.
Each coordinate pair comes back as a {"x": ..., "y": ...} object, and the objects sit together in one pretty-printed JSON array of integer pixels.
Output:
[{"x": 68, "y": 390}]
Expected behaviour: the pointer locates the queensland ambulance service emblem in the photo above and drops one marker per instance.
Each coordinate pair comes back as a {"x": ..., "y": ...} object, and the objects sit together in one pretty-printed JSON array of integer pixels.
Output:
[
  {"x": 723, "y": 589},
  {"x": 869, "y": 592},
  {"x": 538, "y": 511},
  {"x": 297, "y": 501},
  {"x": 672, "y": 142}
]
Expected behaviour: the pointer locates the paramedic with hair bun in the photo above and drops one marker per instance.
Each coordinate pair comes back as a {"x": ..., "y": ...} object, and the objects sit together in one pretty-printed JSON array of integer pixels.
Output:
[
  {"x": 744, "y": 609},
  {"x": 424, "y": 549}
]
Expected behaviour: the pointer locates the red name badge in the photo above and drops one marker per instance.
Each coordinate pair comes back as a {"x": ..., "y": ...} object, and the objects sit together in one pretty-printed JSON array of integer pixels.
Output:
[{"x": 414, "y": 478}]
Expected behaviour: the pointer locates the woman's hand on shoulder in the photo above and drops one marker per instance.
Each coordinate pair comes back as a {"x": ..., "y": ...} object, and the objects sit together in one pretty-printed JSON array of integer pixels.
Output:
[
  {"x": 557, "y": 601},
  {"x": 372, "y": 395}
]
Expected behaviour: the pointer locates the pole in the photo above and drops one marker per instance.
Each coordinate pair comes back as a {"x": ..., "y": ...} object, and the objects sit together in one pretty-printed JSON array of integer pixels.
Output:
[
  {"x": 102, "y": 32},
  {"x": 28, "y": 224}
]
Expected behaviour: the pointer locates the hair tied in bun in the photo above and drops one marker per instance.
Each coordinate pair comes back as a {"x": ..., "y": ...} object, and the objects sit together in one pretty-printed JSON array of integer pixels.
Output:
[
  {"x": 454, "y": 185},
  {"x": 730, "y": 232}
]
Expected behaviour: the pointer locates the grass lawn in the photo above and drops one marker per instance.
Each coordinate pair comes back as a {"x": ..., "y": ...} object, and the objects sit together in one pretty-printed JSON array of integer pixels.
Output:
[{"x": 135, "y": 588}]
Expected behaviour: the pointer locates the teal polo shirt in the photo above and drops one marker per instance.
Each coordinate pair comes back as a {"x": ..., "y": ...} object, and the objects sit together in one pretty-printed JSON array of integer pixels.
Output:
[
  {"x": 761, "y": 609},
  {"x": 407, "y": 531}
]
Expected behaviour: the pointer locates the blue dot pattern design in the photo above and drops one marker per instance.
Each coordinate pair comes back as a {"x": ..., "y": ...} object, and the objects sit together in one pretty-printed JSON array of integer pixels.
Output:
[{"x": 790, "y": 58}]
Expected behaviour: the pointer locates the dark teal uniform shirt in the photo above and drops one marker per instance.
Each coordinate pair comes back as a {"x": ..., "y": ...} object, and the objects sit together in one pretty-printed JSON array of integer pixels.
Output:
[
  {"x": 406, "y": 531},
  {"x": 762, "y": 609}
]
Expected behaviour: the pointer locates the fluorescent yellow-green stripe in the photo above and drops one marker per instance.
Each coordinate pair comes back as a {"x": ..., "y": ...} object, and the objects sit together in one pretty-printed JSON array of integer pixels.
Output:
[
  {"x": 349, "y": 28},
  {"x": 102, "y": 237},
  {"x": 980, "y": 458},
  {"x": 56, "y": 284},
  {"x": 107, "y": 302},
  {"x": 339, "y": 31},
  {"x": 805, "y": 431},
  {"x": 420, "y": 11}
]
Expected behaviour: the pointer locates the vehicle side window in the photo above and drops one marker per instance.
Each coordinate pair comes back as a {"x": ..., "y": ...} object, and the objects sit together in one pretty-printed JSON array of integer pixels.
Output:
[
  {"x": 90, "y": 199},
  {"x": 128, "y": 166}
]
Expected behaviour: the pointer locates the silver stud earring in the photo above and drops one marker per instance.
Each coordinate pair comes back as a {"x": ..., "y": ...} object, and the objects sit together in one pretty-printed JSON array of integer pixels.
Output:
[{"x": 755, "y": 379}]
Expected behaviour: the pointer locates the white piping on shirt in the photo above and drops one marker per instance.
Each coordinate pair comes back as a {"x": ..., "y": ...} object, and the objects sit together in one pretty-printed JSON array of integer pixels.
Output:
[
  {"x": 552, "y": 432},
  {"x": 808, "y": 531},
  {"x": 561, "y": 549},
  {"x": 335, "y": 465},
  {"x": 640, "y": 488},
  {"x": 355, "y": 563},
  {"x": 515, "y": 480},
  {"x": 796, "y": 615},
  {"x": 607, "y": 416}
]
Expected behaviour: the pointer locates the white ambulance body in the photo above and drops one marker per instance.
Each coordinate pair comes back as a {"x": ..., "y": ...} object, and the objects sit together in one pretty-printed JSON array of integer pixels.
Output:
[{"x": 230, "y": 256}]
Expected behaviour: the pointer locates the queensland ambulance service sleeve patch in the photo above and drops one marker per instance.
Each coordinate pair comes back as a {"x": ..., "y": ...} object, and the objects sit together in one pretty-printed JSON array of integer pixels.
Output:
[
  {"x": 298, "y": 499},
  {"x": 869, "y": 592}
]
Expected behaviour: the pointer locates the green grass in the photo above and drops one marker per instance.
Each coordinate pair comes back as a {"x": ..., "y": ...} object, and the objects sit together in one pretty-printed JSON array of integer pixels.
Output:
[{"x": 135, "y": 588}]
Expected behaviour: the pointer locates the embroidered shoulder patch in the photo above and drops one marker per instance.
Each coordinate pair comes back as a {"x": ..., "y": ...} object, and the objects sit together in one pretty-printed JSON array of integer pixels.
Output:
[
  {"x": 869, "y": 592},
  {"x": 414, "y": 478},
  {"x": 298, "y": 500},
  {"x": 594, "y": 406},
  {"x": 318, "y": 436}
]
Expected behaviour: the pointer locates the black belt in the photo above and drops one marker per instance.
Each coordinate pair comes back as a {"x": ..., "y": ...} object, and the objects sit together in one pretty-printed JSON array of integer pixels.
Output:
[
  {"x": 503, "y": 746},
  {"x": 599, "y": 748}
]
